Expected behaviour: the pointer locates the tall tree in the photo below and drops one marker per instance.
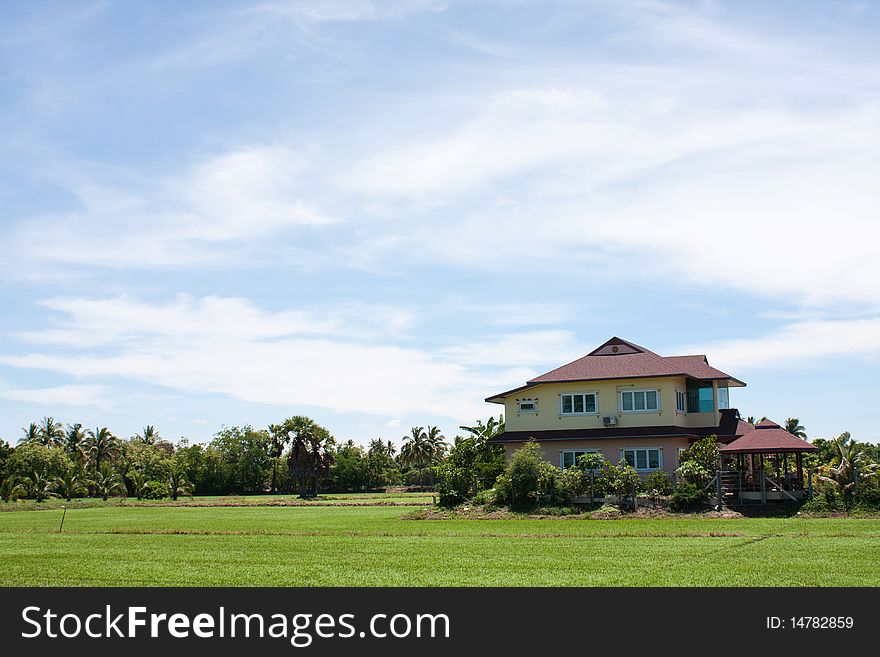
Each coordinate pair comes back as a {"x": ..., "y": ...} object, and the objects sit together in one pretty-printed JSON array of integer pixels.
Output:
[
  {"x": 417, "y": 451},
  {"x": 149, "y": 436},
  {"x": 310, "y": 458},
  {"x": 107, "y": 482},
  {"x": 71, "y": 483},
  {"x": 794, "y": 427},
  {"x": 278, "y": 439},
  {"x": 101, "y": 445},
  {"x": 75, "y": 442},
  {"x": 31, "y": 435},
  {"x": 51, "y": 432},
  {"x": 852, "y": 463}
]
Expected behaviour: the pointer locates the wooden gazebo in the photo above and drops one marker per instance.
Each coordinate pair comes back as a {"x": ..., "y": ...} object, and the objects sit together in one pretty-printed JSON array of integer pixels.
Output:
[{"x": 764, "y": 464}]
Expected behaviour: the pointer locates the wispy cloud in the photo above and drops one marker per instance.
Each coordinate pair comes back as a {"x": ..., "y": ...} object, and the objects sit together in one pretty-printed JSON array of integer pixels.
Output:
[{"x": 74, "y": 395}]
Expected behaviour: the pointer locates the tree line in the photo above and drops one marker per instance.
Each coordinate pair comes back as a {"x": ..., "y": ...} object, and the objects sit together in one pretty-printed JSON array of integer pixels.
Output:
[{"x": 296, "y": 455}]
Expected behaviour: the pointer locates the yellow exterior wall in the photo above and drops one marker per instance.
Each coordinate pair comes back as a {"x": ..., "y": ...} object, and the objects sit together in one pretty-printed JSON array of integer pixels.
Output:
[
  {"x": 610, "y": 448},
  {"x": 549, "y": 410}
]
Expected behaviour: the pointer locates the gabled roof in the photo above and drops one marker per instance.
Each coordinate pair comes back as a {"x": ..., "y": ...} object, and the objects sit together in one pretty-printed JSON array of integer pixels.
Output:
[
  {"x": 621, "y": 359},
  {"x": 766, "y": 437}
]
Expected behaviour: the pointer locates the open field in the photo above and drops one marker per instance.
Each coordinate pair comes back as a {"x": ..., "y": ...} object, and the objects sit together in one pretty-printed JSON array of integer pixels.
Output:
[{"x": 375, "y": 545}]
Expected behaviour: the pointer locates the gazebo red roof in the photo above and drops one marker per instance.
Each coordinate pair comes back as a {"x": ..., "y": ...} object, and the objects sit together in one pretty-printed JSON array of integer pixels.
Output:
[{"x": 766, "y": 437}]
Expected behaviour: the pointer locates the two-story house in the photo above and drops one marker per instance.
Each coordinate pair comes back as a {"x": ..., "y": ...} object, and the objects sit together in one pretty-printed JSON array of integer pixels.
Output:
[{"x": 624, "y": 401}]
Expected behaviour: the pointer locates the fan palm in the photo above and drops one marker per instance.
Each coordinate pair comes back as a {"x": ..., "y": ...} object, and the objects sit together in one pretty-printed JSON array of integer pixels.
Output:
[{"x": 794, "y": 427}]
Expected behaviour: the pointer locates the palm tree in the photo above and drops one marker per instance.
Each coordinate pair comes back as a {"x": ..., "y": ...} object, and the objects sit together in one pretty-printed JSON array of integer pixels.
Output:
[
  {"x": 106, "y": 482},
  {"x": 71, "y": 483},
  {"x": 793, "y": 426},
  {"x": 138, "y": 482},
  {"x": 179, "y": 485},
  {"x": 75, "y": 442},
  {"x": 754, "y": 420},
  {"x": 10, "y": 489},
  {"x": 31, "y": 435},
  {"x": 149, "y": 435},
  {"x": 417, "y": 450},
  {"x": 854, "y": 463},
  {"x": 437, "y": 441},
  {"x": 279, "y": 437},
  {"x": 51, "y": 432},
  {"x": 309, "y": 459},
  {"x": 37, "y": 486},
  {"x": 101, "y": 445}
]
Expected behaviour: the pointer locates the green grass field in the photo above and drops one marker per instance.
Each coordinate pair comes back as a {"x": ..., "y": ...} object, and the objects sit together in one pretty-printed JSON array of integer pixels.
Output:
[{"x": 375, "y": 546}]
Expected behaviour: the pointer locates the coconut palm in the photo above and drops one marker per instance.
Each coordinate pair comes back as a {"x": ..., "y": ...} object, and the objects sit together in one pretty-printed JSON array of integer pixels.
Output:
[
  {"x": 31, "y": 435},
  {"x": 149, "y": 436},
  {"x": 794, "y": 427},
  {"x": 417, "y": 450},
  {"x": 437, "y": 441},
  {"x": 138, "y": 482},
  {"x": 71, "y": 483},
  {"x": 75, "y": 442},
  {"x": 37, "y": 486},
  {"x": 101, "y": 445},
  {"x": 51, "y": 432},
  {"x": 754, "y": 420},
  {"x": 179, "y": 485},
  {"x": 852, "y": 463},
  {"x": 107, "y": 482}
]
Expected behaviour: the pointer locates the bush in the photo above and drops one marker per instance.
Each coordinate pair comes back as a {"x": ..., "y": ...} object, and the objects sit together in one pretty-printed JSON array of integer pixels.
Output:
[
  {"x": 688, "y": 497},
  {"x": 659, "y": 483},
  {"x": 488, "y": 497},
  {"x": 155, "y": 490},
  {"x": 519, "y": 485},
  {"x": 454, "y": 484}
]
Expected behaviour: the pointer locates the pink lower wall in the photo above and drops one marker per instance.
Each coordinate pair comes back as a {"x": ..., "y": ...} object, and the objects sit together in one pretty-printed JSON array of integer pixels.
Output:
[{"x": 610, "y": 448}]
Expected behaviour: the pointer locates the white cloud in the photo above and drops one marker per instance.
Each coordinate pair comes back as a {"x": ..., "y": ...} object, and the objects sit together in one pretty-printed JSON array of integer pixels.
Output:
[
  {"x": 230, "y": 347},
  {"x": 76, "y": 395},
  {"x": 540, "y": 348},
  {"x": 796, "y": 344},
  {"x": 186, "y": 219}
]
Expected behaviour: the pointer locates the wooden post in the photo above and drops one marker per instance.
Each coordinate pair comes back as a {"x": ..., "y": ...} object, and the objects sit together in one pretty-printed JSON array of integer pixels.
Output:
[
  {"x": 810, "y": 483},
  {"x": 718, "y": 488},
  {"x": 763, "y": 484},
  {"x": 799, "y": 461}
]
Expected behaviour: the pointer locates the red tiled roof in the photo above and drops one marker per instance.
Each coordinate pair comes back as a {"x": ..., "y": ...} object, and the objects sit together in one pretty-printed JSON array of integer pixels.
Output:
[
  {"x": 767, "y": 436},
  {"x": 620, "y": 359}
]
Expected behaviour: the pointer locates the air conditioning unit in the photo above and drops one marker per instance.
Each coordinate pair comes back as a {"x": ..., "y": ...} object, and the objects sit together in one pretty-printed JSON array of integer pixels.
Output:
[{"x": 609, "y": 420}]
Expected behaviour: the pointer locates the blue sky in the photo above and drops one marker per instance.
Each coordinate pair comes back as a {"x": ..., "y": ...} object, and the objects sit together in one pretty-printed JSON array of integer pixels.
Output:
[{"x": 379, "y": 213}]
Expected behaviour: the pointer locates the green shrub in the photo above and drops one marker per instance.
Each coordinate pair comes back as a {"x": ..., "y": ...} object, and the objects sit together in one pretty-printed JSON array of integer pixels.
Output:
[
  {"x": 659, "y": 483},
  {"x": 488, "y": 497},
  {"x": 155, "y": 490},
  {"x": 454, "y": 484},
  {"x": 519, "y": 485},
  {"x": 688, "y": 497}
]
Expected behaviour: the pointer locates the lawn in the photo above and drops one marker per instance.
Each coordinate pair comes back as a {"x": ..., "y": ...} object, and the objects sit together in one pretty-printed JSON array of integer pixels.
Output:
[{"x": 368, "y": 545}]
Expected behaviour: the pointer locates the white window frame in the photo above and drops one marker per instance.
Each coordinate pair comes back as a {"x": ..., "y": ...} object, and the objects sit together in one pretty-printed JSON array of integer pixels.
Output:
[
  {"x": 621, "y": 393},
  {"x": 573, "y": 451},
  {"x": 635, "y": 451},
  {"x": 519, "y": 408},
  {"x": 594, "y": 395},
  {"x": 681, "y": 396}
]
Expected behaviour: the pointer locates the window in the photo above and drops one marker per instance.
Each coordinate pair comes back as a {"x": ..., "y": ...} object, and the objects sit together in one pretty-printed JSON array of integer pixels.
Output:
[
  {"x": 643, "y": 459},
  {"x": 568, "y": 457},
  {"x": 681, "y": 401},
  {"x": 700, "y": 397},
  {"x": 578, "y": 403},
  {"x": 639, "y": 401},
  {"x": 527, "y": 405}
]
